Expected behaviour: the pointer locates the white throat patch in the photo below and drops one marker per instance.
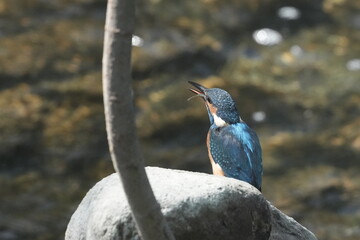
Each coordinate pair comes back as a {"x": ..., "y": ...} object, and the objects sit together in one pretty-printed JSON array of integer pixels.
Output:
[{"x": 218, "y": 121}]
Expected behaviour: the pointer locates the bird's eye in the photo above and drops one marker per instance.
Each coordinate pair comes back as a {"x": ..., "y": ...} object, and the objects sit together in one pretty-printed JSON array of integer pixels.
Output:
[{"x": 208, "y": 100}]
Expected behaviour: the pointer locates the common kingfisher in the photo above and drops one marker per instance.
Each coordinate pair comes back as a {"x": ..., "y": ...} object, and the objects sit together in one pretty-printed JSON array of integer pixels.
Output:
[{"x": 233, "y": 147}]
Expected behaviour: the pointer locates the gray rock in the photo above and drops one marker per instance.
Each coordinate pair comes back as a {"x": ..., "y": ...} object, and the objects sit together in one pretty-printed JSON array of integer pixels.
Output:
[
  {"x": 196, "y": 205},
  {"x": 286, "y": 228}
]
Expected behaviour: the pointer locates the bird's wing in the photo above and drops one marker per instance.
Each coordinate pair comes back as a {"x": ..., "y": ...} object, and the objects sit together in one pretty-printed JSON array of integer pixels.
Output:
[{"x": 237, "y": 150}]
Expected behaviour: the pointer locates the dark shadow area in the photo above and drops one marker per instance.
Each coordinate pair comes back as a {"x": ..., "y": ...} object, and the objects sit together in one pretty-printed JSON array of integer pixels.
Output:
[
  {"x": 202, "y": 63},
  {"x": 311, "y": 14},
  {"x": 305, "y": 152}
]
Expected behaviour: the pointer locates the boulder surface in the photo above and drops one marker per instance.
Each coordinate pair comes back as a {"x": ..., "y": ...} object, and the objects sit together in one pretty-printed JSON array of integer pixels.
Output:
[{"x": 196, "y": 205}]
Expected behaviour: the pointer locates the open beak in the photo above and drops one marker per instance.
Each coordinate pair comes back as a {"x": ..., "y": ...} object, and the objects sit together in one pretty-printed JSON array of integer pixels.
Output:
[{"x": 200, "y": 90}]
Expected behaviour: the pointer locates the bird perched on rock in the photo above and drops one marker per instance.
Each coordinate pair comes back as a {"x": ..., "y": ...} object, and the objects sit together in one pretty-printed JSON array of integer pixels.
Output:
[{"x": 233, "y": 147}]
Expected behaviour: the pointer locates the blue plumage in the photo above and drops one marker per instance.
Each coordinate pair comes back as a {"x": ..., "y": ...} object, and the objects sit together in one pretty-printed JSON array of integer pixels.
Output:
[
  {"x": 237, "y": 150},
  {"x": 234, "y": 148}
]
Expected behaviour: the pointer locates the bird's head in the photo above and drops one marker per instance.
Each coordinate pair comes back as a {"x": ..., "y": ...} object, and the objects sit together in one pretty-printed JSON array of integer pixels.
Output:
[{"x": 220, "y": 106}]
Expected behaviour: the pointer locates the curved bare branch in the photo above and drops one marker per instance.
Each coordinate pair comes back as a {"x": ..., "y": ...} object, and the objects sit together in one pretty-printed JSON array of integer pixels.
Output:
[{"x": 120, "y": 121}]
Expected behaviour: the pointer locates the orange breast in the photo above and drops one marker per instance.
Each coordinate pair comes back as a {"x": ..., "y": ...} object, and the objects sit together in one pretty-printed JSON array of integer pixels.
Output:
[{"x": 215, "y": 167}]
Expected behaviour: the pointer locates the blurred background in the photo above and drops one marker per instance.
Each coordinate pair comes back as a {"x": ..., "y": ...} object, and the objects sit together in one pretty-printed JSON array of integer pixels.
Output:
[{"x": 292, "y": 66}]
